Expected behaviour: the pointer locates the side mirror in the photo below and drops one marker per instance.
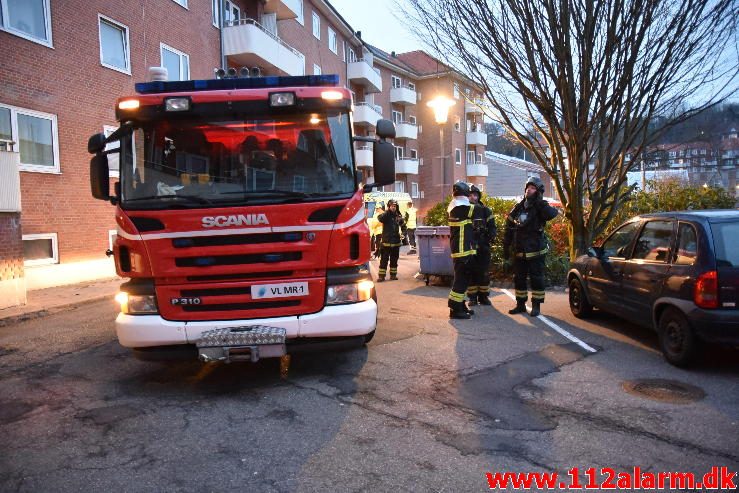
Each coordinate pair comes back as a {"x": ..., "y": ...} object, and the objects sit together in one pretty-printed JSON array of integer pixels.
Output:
[
  {"x": 99, "y": 179},
  {"x": 383, "y": 157},
  {"x": 385, "y": 129},
  {"x": 96, "y": 143}
]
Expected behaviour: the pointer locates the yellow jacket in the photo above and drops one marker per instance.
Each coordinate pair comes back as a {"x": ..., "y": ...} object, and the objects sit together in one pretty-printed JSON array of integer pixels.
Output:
[{"x": 411, "y": 218}]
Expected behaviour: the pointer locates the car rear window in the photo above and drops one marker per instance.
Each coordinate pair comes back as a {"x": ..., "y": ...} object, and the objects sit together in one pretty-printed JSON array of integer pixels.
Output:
[{"x": 724, "y": 236}]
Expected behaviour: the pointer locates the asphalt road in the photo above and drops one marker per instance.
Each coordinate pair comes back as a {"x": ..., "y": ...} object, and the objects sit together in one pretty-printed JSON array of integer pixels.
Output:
[{"x": 429, "y": 405}]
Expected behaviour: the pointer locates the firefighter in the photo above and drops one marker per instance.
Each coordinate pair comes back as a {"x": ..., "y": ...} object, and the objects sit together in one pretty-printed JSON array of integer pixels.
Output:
[
  {"x": 391, "y": 221},
  {"x": 461, "y": 241},
  {"x": 524, "y": 241},
  {"x": 483, "y": 225},
  {"x": 410, "y": 222},
  {"x": 376, "y": 231}
]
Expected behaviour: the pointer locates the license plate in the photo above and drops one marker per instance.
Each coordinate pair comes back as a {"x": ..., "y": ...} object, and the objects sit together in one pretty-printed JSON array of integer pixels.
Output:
[{"x": 283, "y": 290}]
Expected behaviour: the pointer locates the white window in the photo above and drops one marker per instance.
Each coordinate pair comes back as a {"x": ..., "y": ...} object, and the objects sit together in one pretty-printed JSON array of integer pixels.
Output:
[
  {"x": 352, "y": 55},
  {"x": 343, "y": 50},
  {"x": 231, "y": 13},
  {"x": 420, "y": 162},
  {"x": 458, "y": 156},
  {"x": 456, "y": 90},
  {"x": 411, "y": 86},
  {"x": 481, "y": 187},
  {"x": 39, "y": 249},
  {"x": 412, "y": 119},
  {"x": 396, "y": 81},
  {"x": 414, "y": 190},
  {"x": 29, "y": 19},
  {"x": 316, "y": 69},
  {"x": 181, "y": 2},
  {"x": 300, "y": 18},
  {"x": 176, "y": 63},
  {"x": 479, "y": 158},
  {"x": 414, "y": 153},
  {"x": 215, "y": 9},
  {"x": 316, "y": 26},
  {"x": 398, "y": 152},
  {"x": 114, "y": 52},
  {"x": 332, "y": 44},
  {"x": 400, "y": 186},
  {"x": 35, "y": 137},
  {"x": 457, "y": 123},
  {"x": 397, "y": 116},
  {"x": 470, "y": 157}
]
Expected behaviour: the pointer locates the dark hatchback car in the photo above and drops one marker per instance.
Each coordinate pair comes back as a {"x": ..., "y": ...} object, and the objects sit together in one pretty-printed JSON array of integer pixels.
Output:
[{"x": 675, "y": 272}]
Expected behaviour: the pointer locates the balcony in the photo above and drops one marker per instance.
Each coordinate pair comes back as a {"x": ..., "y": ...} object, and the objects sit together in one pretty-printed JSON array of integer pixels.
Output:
[
  {"x": 405, "y": 130},
  {"x": 249, "y": 44},
  {"x": 363, "y": 73},
  {"x": 366, "y": 114},
  {"x": 285, "y": 9},
  {"x": 406, "y": 166},
  {"x": 477, "y": 138},
  {"x": 477, "y": 169},
  {"x": 403, "y": 95},
  {"x": 473, "y": 107},
  {"x": 363, "y": 156}
]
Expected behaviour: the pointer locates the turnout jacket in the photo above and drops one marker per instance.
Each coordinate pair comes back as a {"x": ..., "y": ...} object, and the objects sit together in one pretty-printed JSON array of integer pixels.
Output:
[
  {"x": 391, "y": 223},
  {"x": 524, "y": 228},
  {"x": 483, "y": 225},
  {"x": 462, "y": 238}
]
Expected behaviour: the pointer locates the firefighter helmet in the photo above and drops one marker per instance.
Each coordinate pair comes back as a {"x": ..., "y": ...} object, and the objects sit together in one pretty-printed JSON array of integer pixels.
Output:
[
  {"x": 536, "y": 181},
  {"x": 461, "y": 188},
  {"x": 474, "y": 189},
  {"x": 392, "y": 202}
]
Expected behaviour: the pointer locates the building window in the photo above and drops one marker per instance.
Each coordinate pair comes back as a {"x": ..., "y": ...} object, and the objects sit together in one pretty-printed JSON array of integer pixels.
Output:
[
  {"x": 39, "y": 249},
  {"x": 420, "y": 162},
  {"x": 300, "y": 18},
  {"x": 35, "y": 137},
  {"x": 181, "y": 2},
  {"x": 114, "y": 52},
  {"x": 470, "y": 157},
  {"x": 343, "y": 50},
  {"x": 414, "y": 153},
  {"x": 456, "y": 90},
  {"x": 458, "y": 156},
  {"x": 481, "y": 187},
  {"x": 412, "y": 119},
  {"x": 215, "y": 9},
  {"x": 457, "y": 123},
  {"x": 29, "y": 19},
  {"x": 398, "y": 152},
  {"x": 411, "y": 86},
  {"x": 352, "y": 55},
  {"x": 316, "y": 26},
  {"x": 397, "y": 117},
  {"x": 400, "y": 186},
  {"x": 332, "y": 44},
  {"x": 316, "y": 69},
  {"x": 396, "y": 81},
  {"x": 176, "y": 63},
  {"x": 414, "y": 190},
  {"x": 231, "y": 13},
  {"x": 479, "y": 158}
]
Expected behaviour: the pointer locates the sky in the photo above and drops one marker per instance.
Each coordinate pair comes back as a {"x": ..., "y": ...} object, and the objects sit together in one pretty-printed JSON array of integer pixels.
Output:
[{"x": 379, "y": 23}]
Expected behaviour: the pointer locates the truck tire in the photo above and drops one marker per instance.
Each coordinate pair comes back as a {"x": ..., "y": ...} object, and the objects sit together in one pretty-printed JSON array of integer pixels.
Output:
[
  {"x": 579, "y": 304},
  {"x": 677, "y": 340}
]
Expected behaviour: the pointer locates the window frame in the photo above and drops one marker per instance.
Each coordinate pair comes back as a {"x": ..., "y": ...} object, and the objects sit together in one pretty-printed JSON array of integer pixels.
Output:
[
  {"x": 671, "y": 240},
  {"x": 332, "y": 36},
  {"x": 301, "y": 15},
  {"x": 415, "y": 190},
  {"x": 181, "y": 54},
  {"x": 316, "y": 23},
  {"x": 394, "y": 78},
  {"x": 678, "y": 238},
  {"x": 34, "y": 168},
  {"x": 457, "y": 156},
  {"x": 21, "y": 34},
  {"x": 54, "y": 259},
  {"x": 215, "y": 7},
  {"x": 182, "y": 3},
  {"x": 126, "y": 48},
  {"x": 630, "y": 245}
]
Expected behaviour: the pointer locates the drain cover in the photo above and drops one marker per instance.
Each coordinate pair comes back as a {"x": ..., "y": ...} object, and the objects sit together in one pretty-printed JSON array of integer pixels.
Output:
[{"x": 661, "y": 390}]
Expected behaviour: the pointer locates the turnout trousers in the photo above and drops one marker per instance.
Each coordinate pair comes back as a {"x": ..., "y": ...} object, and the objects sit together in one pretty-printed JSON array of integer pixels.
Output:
[
  {"x": 480, "y": 277},
  {"x": 460, "y": 283},
  {"x": 391, "y": 254},
  {"x": 533, "y": 268}
]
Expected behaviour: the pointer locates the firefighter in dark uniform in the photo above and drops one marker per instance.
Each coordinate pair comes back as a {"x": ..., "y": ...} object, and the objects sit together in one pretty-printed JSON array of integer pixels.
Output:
[
  {"x": 483, "y": 225},
  {"x": 462, "y": 247},
  {"x": 524, "y": 241},
  {"x": 391, "y": 221}
]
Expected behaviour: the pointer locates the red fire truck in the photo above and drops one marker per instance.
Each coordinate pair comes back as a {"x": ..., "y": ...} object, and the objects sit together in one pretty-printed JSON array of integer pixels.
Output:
[{"x": 240, "y": 217}]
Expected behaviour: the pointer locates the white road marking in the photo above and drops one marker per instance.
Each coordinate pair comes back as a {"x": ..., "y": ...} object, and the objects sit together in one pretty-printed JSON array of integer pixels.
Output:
[{"x": 556, "y": 327}]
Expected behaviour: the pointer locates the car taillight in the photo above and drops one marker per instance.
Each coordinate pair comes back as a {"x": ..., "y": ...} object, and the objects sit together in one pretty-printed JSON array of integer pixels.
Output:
[{"x": 705, "y": 293}]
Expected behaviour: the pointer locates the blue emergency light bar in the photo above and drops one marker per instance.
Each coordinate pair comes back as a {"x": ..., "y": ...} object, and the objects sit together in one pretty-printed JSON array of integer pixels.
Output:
[{"x": 275, "y": 81}]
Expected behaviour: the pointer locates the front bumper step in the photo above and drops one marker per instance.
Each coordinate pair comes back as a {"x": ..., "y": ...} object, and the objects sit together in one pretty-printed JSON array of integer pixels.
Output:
[{"x": 245, "y": 343}]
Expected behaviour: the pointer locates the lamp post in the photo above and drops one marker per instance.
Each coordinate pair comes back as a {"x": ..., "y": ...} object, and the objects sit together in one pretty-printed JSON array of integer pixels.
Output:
[{"x": 441, "y": 104}]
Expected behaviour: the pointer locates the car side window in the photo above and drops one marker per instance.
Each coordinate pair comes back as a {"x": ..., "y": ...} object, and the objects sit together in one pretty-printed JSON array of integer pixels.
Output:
[
  {"x": 618, "y": 243},
  {"x": 687, "y": 245},
  {"x": 654, "y": 242}
]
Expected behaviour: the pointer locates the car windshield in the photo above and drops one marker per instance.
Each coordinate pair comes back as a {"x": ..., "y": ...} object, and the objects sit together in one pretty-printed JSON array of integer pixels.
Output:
[
  {"x": 725, "y": 239},
  {"x": 199, "y": 163}
]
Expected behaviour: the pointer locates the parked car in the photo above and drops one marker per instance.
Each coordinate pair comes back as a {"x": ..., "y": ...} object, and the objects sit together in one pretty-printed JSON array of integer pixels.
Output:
[{"x": 674, "y": 272}]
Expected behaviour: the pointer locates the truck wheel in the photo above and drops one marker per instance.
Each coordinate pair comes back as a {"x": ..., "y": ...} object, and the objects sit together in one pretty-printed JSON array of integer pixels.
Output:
[
  {"x": 368, "y": 337},
  {"x": 676, "y": 338},
  {"x": 579, "y": 304}
]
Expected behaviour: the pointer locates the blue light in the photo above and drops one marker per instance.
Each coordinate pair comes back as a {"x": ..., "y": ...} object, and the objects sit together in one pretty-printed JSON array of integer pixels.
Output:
[{"x": 237, "y": 83}]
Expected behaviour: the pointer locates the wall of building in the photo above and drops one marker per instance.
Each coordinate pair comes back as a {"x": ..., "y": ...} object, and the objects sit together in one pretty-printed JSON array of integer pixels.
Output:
[{"x": 12, "y": 282}]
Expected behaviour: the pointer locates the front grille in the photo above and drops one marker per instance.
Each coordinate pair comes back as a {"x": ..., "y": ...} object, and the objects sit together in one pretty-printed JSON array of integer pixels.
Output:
[
  {"x": 226, "y": 307},
  {"x": 252, "y": 258},
  {"x": 245, "y": 276},
  {"x": 226, "y": 240},
  {"x": 199, "y": 293}
]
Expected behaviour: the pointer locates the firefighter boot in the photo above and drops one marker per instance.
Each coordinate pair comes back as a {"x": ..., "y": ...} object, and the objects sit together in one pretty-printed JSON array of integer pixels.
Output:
[
  {"x": 483, "y": 299},
  {"x": 467, "y": 309},
  {"x": 393, "y": 277},
  {"x": 381, "y": 279},
  {"x": 534, "y": 308},
  {"x": 520, "y": 307},
  {"x": 457, "y": 310}
]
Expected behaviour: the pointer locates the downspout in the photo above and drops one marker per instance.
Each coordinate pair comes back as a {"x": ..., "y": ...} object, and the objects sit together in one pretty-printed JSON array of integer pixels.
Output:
[{"x": 221, "y": 6}]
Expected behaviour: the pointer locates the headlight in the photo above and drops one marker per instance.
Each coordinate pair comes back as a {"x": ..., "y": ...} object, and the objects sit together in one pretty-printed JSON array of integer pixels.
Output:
[
  {"x": 137, "y": 304},
  {"x": 349, "y": 293}
]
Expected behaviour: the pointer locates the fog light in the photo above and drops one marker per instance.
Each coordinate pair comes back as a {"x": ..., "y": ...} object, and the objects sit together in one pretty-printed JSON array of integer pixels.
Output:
[
  {"x": 177, "y": 104},
  {"x": 137, "y": 304},
  {"x": 282, "y": 99}
]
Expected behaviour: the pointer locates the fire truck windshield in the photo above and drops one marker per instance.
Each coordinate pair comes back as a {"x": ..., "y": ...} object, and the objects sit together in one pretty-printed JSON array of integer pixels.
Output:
[{"x": 206, "y": 162}]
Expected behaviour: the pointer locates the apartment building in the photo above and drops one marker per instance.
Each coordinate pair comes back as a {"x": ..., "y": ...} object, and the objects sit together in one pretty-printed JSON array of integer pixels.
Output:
[{"x": 66, "y": 62}]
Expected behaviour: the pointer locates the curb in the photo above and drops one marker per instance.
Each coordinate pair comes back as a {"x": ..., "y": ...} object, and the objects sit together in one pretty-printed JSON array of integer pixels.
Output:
[{"x": 43, "y": 312}]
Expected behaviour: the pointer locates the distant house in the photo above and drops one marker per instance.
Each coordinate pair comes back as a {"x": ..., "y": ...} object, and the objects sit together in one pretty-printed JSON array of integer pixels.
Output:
[{"x": 507, "y": 176}]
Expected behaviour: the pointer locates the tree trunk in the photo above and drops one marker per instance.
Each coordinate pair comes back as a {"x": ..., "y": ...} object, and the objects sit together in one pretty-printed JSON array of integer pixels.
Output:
[{"x": 578, "y": 236}]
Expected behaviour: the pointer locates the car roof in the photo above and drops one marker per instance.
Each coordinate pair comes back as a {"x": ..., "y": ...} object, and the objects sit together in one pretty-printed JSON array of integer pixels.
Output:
[{"x": 708, "y": 214}]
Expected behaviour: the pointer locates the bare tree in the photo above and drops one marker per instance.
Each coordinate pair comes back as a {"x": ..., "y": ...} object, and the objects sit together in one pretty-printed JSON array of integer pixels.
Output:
[{"x": 590, "y": 76}]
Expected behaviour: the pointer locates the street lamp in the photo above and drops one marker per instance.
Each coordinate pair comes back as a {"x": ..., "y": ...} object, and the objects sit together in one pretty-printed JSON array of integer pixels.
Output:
[{"x": 440, "y": 105}]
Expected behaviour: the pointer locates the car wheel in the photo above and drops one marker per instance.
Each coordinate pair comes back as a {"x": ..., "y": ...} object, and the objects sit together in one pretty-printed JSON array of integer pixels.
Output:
[
  {"x": 579, "y": 304},
  {"x": 676, "y": 338}
]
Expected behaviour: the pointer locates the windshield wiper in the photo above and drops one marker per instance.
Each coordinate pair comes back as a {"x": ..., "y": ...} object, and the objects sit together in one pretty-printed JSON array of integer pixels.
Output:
[{"x": 189, "y": 198}]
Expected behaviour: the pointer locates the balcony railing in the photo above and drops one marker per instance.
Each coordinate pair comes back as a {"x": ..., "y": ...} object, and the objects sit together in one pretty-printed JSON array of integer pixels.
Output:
[
  {"x": 364, "y": 156},
  {"x": 248, "y": 43},
  {"x": 406, "y": 130},
  {"x": 477, "y": 138},
  {"x": 406, "y": 166},
  {"x": 403, "y": 95},
  {"x": 477, "y": 169},
  {"x": 363, "y": 73},
  {"x": 367, "y": 114}
]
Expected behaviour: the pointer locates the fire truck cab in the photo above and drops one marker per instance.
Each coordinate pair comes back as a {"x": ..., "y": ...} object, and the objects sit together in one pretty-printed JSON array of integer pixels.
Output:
[{"x": 240, "y": 216}]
